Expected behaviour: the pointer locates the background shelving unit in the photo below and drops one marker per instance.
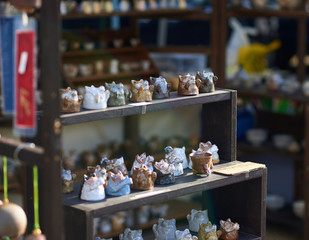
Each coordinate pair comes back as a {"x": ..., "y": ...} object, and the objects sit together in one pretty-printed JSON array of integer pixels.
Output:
[{"x": 300, "y": 15}]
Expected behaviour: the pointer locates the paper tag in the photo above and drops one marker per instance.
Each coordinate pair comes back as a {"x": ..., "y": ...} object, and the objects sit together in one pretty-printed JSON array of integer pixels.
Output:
[{"x": 23, "y": 63}]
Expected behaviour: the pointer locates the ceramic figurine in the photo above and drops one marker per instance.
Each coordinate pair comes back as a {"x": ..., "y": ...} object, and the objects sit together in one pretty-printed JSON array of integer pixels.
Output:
[
  {"x": 141, "y": 91},
  {"x": 210, "y": 148},
  {"x": 93, "y": 188},
  {"x": 228, "y": 230},
  {"x": 115, "y": 165},
  {"x": 143, "y": 214},
  {"x": 165, "y": 229},
  {"x": 207, "y": 231},
  {"x": 182, "y": 4},
  {"x": 153, "y": 4},
  {"x": 289, "y": 4},
  {"x": 89, "y": 159},
  {"x": 161, "y": 87},
  {"x": 184, "y": 235},
  {"x": 95, "y": 98},
  {"x": 131, "y": 234},
  {"x": 201, "y": 159},
  {"x": 188, "y": 85},
  {"x": 165, "y": 172},
  {"x": 100, "y": 172},
  {"x": 207, "y": 81},
  {"x": 118, "y": 184},
  {"x": 159, "y": 211},
  {"x": 143, "y": 178},
  {"x": 105, "y": 225},
  {"x": 142, "y": 160},
  {"x": 118, "y": 94},
  {"x": 69, "y": 161},
  {"x": 124, "y": 5},
  {"x": 67, "y": 181},
  {"x": 196, "y": 218},
  {"x": 177, "y": 157},
  {"x": 98, "y": 238},
  {"x": 70, "y": 101}
]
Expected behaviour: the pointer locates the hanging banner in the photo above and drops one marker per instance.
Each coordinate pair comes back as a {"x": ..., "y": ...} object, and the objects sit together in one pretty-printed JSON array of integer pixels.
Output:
[
  {"x": 25, "y": 83},
  {"x": 7, "y": 64}
]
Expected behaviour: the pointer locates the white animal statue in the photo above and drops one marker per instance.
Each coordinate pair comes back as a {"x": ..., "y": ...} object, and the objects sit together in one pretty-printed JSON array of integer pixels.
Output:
[{"x": 95, "y": 98}]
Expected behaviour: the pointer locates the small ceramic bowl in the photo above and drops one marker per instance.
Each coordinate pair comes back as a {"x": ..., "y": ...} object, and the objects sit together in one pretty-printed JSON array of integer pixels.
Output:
[
  {"x": 135, "y": 42},
  {"x": 70, "y": 70},
  {"x": 75, "y": 45},
  {"x": 89, "y": 45},
  {"x": 282, "y": 141},
  {"x": 86, "y": 69},
  {"x": 118, "y": 43},
  {"x": 274, "y": 202},
  {"x": 299, "y": 208},
  {"x": 256, "y": 136}
]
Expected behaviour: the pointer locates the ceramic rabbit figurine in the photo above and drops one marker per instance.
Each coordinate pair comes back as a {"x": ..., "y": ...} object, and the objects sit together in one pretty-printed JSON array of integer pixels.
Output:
[
  {"x": 228, "y": 230},
  {"x": 177, "y": 157},
  {"x": 93, "y": 188},
  {"x": 118, "y": 94},
  {"x": 188, "y": 85},
  {"x": 70, "y": 101},
  {"x": 142, "y": 159},
  {"x": 141, "y": 91},
  {"x": 115, "y": 165},
  {"x": 165, "y": 229},
  {"x": 184, "y": 235},
  {"x": 208, "y": 80},
  {"x": 143, "y": 178},
  {"x": 161, "y": 87},
  {"x": 118, "y": 184},
  {"x": 196, "y": 218},
  {"x": 165, "y": 172},
  {"x": 95, "y": 98},
  {"x": 131, "y": 234},
  {"x": 207, "y": 231}
]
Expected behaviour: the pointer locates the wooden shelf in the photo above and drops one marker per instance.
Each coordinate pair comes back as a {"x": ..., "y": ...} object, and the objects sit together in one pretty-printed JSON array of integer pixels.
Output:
[
  {"x": 110, "y": 77},
  {"x": 94, "y": 52},
  {"x": 181, "y": 49},
  {"x": 140, "y": 108},
  {"x": 253, "y": 13},
  {"x": 186, "y": 184},
  {"x": 157, "y": 13}
]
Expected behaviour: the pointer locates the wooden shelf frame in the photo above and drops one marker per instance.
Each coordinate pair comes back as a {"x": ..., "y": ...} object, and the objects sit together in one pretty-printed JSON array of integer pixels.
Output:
[{"x": 186, "y": 184}]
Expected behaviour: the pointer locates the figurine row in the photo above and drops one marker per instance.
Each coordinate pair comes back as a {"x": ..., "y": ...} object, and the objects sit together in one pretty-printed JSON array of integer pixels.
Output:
[
  {"x": 198, "y": 223},
  {"x": 113, "y": 177},
  {"x": 140, "y": 91}
]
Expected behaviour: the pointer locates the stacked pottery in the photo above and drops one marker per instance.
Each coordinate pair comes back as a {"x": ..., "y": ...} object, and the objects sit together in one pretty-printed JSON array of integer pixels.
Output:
[
  {"x": 67, "y": 181},
  {"x": 95, "y": 98},
  {"x": 142, "y": 159},
  {"x": 207, "y": 81},
  {"x": 188, "y": 85},
  {"x": 118, "y": 184},
  {"x": 115, "y": 165},
  {"x": 165, "y": 229},
  {"x": 141, "y": 91},
  {"x": 143, "y": 178},
  {"x": 161, "y": 87},
  {"x": 176, "y": 156},
  {"x": 118, "y": 94},
  {"x": 165, "y": 172},
  {"x": 70, "y": 101},
  {"x": 228, "y": 230}
]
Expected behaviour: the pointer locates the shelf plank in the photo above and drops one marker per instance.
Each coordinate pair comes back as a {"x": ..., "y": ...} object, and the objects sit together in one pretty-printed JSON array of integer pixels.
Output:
[
  {"x": 253, "y": 13},
  {"x": 181, "y": 49},
  {"x": 156, "y": 13},
  {"x": 185, "y": 184},
  {"x": 94, "y": 52},
  {"x": 107, "y": 77},
  {"x": 144, "y": 107}
]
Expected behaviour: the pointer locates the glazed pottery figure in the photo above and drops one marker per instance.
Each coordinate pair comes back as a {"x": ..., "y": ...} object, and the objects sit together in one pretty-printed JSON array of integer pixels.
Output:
[
  {"x": 143, "y": 178},
  {"x": 165, "y": 229},
  {"x": 228, "y": 230},
  {"x": 177, "y": 157},
  {"x": 70, "y": 101},
  {"x": 159, "y": 211},
  {"x": 201, "y": 159},
  {"x": 165, "y": 172},
  {"x": 141, "y": 91},
  {"x": 210, "y": 148},
  {"x": 207, "y": 231},
  {"x": 188, "y": 85},
  {"x": 118, "y": 184},
  {"x": 131, "y": 234},
  {"x": 67, "y": 181},
  {"x": 115, "y": 165},
  {"x": 161, "y": 87},
  {"x": 95, "y": 98},
  {"x": 98, "y": 238},
  {"x": 93, "y": 188},
  {"x": 207, "y": 81},
  {"x": 142, "y": 160},
  {"x": 100, "y": 172},
  {"x": 118, "y": 94},
  {"x": 184, "y": 235},
  {"x": 196, "y": 218}
]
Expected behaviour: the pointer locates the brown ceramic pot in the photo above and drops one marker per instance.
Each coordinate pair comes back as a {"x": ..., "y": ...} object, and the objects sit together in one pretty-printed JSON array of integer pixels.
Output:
[{"x": 201, "y": 163}]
